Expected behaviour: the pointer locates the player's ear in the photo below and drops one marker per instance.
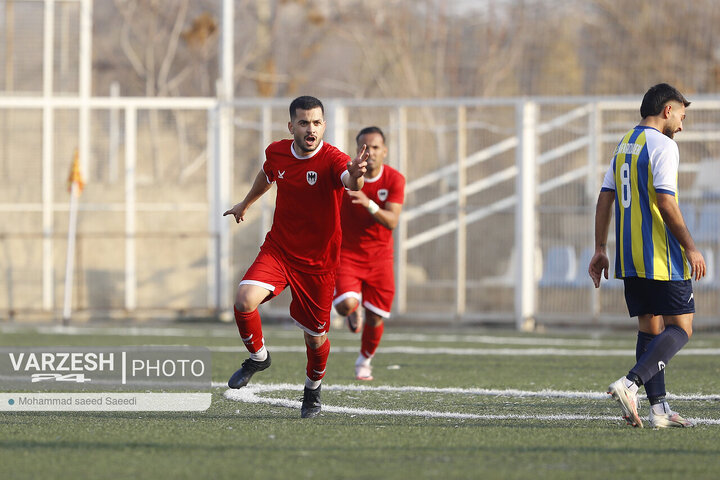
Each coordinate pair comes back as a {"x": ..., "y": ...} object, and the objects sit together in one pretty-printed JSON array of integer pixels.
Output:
[
  {"x": 290, "y": 127},
  {"x": 667, "y": 109}
]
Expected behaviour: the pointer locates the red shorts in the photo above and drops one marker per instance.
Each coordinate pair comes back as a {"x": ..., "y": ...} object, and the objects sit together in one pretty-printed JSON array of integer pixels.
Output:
[
  {"x": 311, "y": 294},
  {"x": 374, "y": 282}
]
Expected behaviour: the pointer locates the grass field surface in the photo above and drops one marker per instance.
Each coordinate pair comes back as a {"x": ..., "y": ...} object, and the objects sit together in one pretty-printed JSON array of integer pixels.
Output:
[{"x": 444, "y": 404}]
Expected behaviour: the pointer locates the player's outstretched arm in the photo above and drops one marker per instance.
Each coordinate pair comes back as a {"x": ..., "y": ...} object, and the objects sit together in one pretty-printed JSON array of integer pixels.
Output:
[
  {"x": 599, "y": 264},
  {"x": 387, "y": 217},
  {"x": 357, "y": 168},
  {"x": 259, "y": 187},
  {"x": 672, "y": 216}
]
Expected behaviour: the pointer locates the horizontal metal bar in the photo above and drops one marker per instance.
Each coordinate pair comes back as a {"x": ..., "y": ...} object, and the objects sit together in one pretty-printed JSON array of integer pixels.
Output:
[
  {"x": 107, "y": 207},
  {"x": 494, "y": 207},
  {"x": 60, "y": 102}
]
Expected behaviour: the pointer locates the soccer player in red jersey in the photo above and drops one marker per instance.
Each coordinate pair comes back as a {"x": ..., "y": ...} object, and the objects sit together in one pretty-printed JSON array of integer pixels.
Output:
[
  {"x": 365, "y": 273},
  {"x": 302, "y": 248}
]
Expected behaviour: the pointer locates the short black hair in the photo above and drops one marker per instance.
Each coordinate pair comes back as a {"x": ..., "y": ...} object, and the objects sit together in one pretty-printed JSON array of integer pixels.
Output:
[
  {"x": 368, "y": 130},
  {"x": 657, "y": 97},
  {"x": 305, "y": 102}
]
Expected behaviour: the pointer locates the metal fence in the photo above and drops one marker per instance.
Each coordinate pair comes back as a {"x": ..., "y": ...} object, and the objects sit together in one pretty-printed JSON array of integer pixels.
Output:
[{"x": 497, "y": 226}]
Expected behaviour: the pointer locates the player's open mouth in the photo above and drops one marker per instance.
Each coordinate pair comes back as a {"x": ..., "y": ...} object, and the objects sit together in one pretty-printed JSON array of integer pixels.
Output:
[{"x": 310, "y": 140}]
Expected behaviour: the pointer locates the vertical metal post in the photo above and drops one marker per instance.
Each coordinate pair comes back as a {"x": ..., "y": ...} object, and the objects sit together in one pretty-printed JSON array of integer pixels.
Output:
[
  {"x": 594, "y": 148},
  {"x": 9, "y": 46},
  {"x": 337, "y": 120},
  {"x": 130, "y": 172},
  {"x": 525, "y": 230},
  {"x": 221, "y": 190},
  {"x": 461, "y": 239},
  {"x": 399, "y": 123},
  {"x": 265, "y": 203},
  {"x": 113, "y": 135},
  {"x": 213, "y": 262},
  {"x": 48, "y": 295},
  {"x": 64, "y": 58},
  {"x": 265, "y": 139},
  {"x": 225, "y": 152},
  {"x": 85, "y": 85}
]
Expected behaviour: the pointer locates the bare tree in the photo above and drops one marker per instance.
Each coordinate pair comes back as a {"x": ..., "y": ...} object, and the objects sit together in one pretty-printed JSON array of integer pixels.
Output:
[{"x": 424, "y": 48}]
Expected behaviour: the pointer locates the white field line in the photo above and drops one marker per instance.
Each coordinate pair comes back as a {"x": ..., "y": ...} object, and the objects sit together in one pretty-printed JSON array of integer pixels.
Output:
[
  {"x": 412, "y": 337},
  {"x": 253, "y": 394},
  {"x": 490, "y": 339},
  {"x": 293, "y": 333},
  {"x": 564, "y": 352},
  {"x": 510, "y": 392}
]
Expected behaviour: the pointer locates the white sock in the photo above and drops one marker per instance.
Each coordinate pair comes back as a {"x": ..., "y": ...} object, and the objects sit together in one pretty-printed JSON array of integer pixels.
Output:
[
  {"x": 362, "y": 360},
  {"x": 661, "y": 408},
  {"x": 261, "y": 355},
  {"x": 631, "y": 385},
  {"x": 312, "y": 384}
]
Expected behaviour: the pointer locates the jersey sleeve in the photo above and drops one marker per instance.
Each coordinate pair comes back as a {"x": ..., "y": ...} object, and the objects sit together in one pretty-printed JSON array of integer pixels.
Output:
[
  {"x": 267, "y": 166},
  {"x": 397, "y": 190},
  {"x": 609, "y": 180},
  {"x": 665, "y": 168},
  {"x": 339, "y": 166}
]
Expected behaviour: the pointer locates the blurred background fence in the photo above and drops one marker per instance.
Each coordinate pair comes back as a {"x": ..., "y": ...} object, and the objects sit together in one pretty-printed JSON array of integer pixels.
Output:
[
  {"x": 151, "y": 238},
  {"x": 497, "y": 226}
]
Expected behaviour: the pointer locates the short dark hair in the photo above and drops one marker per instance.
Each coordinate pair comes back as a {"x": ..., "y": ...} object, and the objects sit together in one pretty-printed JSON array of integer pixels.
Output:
[
  {"x": 657, "y": 97},
  {"x": 368, "y": 130},
  {"x": 305, "y": 102}
]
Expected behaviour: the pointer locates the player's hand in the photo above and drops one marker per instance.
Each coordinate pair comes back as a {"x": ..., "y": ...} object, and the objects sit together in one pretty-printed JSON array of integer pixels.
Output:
[
  {"x": 598, "y": 264},
  {"x": 237, "y": 211},
  {"x": 697, "y": 264},
  {"x": 358, "y": 166},
  {"x": 359, "y": 197}
]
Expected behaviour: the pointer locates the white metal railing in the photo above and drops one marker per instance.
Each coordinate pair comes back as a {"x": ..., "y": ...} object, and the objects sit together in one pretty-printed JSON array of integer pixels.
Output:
[{"x": 522, "y": 204}]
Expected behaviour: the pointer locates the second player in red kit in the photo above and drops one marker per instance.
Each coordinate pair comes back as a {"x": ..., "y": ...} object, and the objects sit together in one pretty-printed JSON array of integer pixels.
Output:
[{"x": 366, "y": 272}]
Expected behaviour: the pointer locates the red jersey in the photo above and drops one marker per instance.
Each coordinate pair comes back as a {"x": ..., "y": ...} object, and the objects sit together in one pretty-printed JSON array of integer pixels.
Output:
[
  {"x": 362, "y": 237},
  {"x": 306, "y": 225}
]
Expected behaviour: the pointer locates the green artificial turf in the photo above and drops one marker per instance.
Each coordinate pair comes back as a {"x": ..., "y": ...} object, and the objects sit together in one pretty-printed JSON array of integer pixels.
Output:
[{"x": 500, "y": 439}]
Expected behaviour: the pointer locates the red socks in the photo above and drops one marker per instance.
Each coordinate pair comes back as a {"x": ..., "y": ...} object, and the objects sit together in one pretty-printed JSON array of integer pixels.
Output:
[
  {"x": 371, "y": 336},
  {"x": 317, "y": 360},
  {"x": 250, "y": 328}
]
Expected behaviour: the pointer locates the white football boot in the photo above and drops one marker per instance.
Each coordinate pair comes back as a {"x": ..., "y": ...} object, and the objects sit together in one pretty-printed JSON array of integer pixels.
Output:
[
  {"x": 628, "y": 401},
  {"x": 668, "y": 418}
]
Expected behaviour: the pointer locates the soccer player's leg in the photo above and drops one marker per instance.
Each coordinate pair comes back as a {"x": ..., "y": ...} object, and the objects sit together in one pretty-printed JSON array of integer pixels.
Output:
[
  {"x": 651, "y": 364},
  {"x": 624, "y": 390},
  {"x": 347, "y": 296},
  {"x": 310, "y": 309},
  {"x": 371, "y": 335},
  {"x": 661, "y": 415},
  {"x": 650, "y": 326},
  {"x": 261, "y": 282},
  {"x": 317, "y": 351},
  {"x": 378, "y": 292},
  {"x": 675, "y": 300}
]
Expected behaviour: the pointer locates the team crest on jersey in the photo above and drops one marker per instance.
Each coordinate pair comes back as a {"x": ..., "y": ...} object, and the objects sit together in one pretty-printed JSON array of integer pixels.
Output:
[
  {"x": 311, "y": 177},
  {"x": 382, "y": 194}
]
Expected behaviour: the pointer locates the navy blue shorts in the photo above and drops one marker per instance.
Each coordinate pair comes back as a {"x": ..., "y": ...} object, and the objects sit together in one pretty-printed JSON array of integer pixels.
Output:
[{"x": 658, "y": 297}]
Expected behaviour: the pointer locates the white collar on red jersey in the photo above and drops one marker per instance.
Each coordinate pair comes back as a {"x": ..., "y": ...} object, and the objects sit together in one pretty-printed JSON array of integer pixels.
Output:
[
  {"x": 376, "y": 177},
  {"x": 292, "y": 149}
]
